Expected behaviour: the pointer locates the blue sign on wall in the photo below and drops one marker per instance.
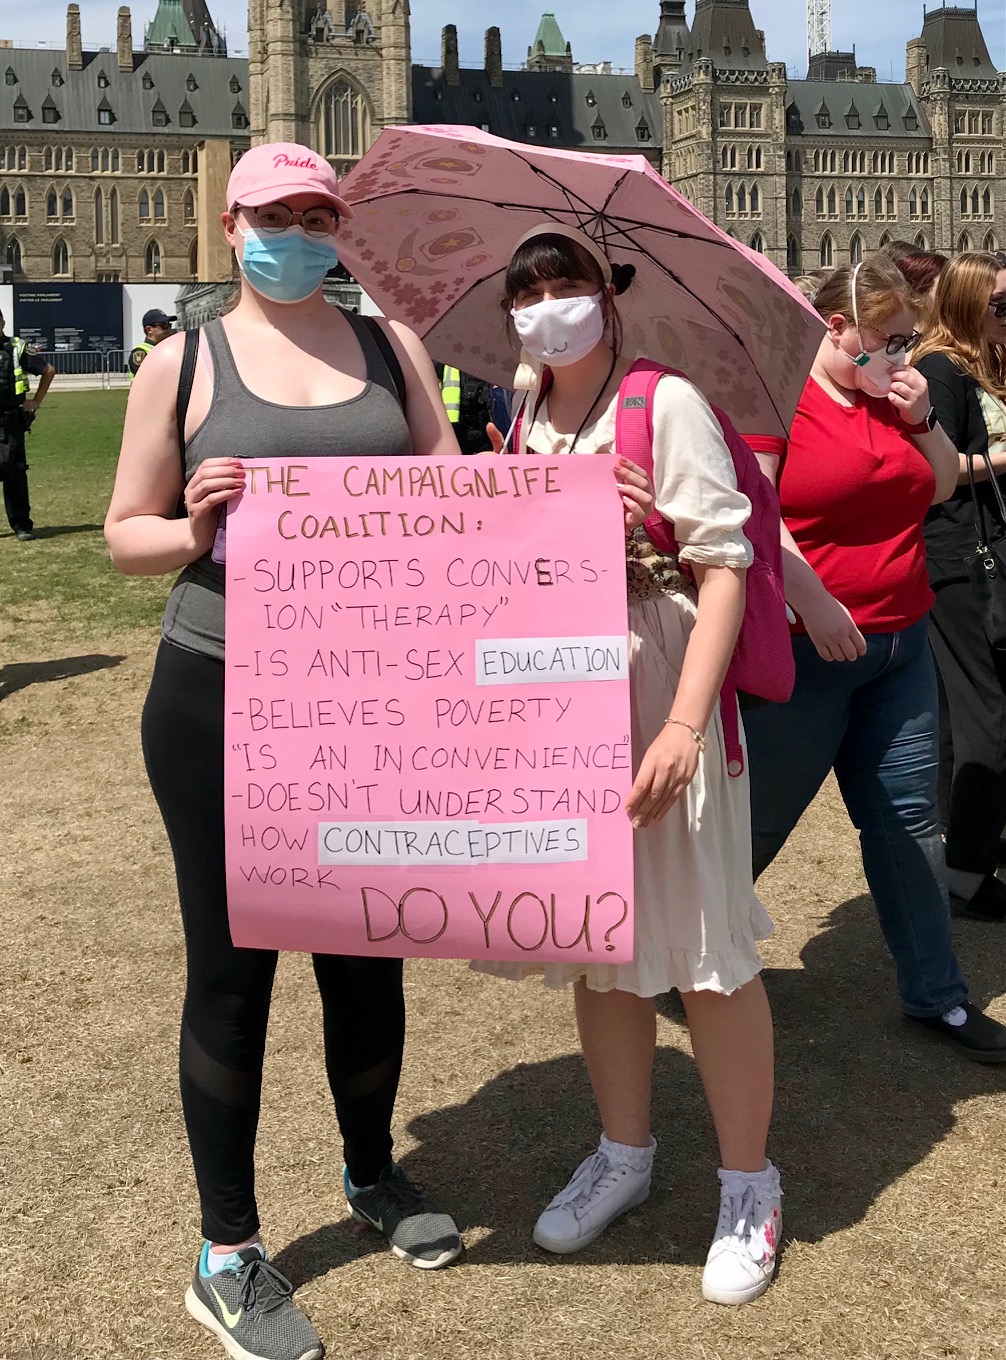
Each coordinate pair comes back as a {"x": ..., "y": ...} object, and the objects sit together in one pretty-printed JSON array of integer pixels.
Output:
[{"x": 63, "y": 318}]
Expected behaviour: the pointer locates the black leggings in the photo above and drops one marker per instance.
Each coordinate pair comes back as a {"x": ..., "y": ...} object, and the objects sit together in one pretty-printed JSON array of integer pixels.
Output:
[{"x": 228, "y": 990}]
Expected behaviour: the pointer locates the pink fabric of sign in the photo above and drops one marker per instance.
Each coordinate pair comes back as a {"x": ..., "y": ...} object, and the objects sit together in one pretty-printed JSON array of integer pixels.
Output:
[{"x": 427, "y": 749}]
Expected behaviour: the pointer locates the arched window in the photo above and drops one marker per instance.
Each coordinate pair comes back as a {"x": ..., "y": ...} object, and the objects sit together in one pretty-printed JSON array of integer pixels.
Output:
[
  {"x": 758, "y": 243},
  {"x": 913, "y": 203},
  {"x": 22, "y": 158},
  {"x": 755, "y": 199},
  {"x": 730, "y": 199},
  {"x": 924, "y": 202},
  {"x": 60, "y": 259},
  {"x": 99, "y": 218},
  {"x": 964, "y": 244},
  {"x": 987, "y": 202},
  {"x": 742, "y": 199},
  {"x": 160, "y": 162},
  {"x": 51, "y": 206},
  {"x": 113, "y": 217},
  {"x": 20, "y": 203},
  {"x": 878, "y": 203},
  {"x": 819, "y": 201},
  {"x": 861, "y": 202},
  {"x": 343, "y": 121},
  {"x": 827, "y": 251},
  {"x": 68, "y": 159},
  {"x": 920, "y": 241},
  {"x": 139, "y": 162},
  {"x": 964, "y": 202},
  {"x": 848, "y": 203},
  {"x": 159, "y": 205},
  {"x": 57, "y": 158},
  {"x": 47, "y": 158},
  {"x": 797, "y": 203},
  {"x": 885, "y": 239},
  {"x": 194, "y": 258},
  {"x": 189, "y": 206},
  {"x": 990, "y": 243},
  {"x": 856, "y": 249},
  {"x": 144, "y": 206},
  {"x": 115, "y": 162},
  {"x": 975, "y": 203},
  {"x": 152, "y": 259},
  {"x": 14, "y": 254},
  {"x": 186, "y": 163},
  {"x": 105, "y": 161},
  {"x": 68, "y": 212},
  {"x": 95, "y": 160},
  {"x": 793, "y": 254},
  {"x": 150, "y": 162},
  {"x": 4, "y": 201},
  {"x": 832, "y": 202}
]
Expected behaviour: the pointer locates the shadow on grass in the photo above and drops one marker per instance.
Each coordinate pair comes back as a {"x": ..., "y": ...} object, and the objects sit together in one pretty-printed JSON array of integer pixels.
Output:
[
  {"x": 862, "y": 1097},
  {"x": 19, "y": 674},
  {"x": 42, "y": 531}
]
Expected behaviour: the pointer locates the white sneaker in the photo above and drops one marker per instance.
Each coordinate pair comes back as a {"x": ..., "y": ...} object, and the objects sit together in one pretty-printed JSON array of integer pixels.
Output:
[
  {"x": 742, "y": 1258},
  {"x": 597, "y": 1194}
]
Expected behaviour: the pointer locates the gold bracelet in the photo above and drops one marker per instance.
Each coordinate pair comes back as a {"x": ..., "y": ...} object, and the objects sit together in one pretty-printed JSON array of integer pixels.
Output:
[{"x": 697, "y": 736}]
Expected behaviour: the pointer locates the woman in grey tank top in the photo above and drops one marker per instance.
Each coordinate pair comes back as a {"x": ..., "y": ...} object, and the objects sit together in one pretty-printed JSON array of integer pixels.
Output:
[{"x": 283, "y": 375}]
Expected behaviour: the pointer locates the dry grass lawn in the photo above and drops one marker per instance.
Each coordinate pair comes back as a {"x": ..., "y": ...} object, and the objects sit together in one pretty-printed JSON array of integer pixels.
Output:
[{"x": 893, "y": 1150}]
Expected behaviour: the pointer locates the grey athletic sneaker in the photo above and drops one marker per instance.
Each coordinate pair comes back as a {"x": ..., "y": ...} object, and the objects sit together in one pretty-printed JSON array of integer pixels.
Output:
[
  {"x": 251, "y": 1310},
  {"x": 418, "y": 1233}
]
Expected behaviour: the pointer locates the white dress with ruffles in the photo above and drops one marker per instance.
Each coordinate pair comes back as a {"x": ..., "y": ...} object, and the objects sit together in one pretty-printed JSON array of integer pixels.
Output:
[{"x": 697, "y": 919}]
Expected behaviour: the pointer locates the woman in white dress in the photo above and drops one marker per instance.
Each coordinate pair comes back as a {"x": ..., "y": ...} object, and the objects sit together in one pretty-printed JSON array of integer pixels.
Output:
[{"x": 697, "y": 918}]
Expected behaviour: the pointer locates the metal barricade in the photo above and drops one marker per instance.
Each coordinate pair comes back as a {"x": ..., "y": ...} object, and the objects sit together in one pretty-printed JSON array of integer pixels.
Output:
[
  {"x": 116, "y": 369},
  {"x": 75, "y": 363}
]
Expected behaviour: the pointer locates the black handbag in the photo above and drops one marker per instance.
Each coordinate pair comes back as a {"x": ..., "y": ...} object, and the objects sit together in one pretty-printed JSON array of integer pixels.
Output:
[{"x": 986, "y": 567}]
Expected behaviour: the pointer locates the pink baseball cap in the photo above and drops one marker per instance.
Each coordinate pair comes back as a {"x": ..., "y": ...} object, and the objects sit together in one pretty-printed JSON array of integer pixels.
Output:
[{"x": 268, "y": 173}]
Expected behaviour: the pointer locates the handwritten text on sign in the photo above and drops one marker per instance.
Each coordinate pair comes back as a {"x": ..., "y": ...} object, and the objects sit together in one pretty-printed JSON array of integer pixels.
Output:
[{"x": 427, "y": 745}]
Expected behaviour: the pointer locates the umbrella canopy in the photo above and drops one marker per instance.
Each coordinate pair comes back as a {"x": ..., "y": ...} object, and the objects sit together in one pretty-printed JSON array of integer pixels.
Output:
[{"x": 438, "y": 211}]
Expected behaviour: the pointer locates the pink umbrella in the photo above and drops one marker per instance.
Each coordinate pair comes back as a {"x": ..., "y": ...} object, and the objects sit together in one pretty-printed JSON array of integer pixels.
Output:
[{"x": 439, "y": 209}]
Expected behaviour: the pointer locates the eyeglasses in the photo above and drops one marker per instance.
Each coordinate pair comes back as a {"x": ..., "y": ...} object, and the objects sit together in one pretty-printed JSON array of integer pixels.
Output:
[
  {"x": 894, "y": 344},
  {"x": 273, "y": 218}
]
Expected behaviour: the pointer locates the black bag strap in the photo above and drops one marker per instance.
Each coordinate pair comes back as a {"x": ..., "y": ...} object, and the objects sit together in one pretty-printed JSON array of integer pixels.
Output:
[
  {"x": 981, "y": 525},
  {"x": 189, "y": 356},
  {"x": 388, "y": 355}
]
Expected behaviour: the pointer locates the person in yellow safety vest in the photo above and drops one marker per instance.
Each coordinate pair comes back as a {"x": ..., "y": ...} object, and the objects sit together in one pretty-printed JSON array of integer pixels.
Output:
[
  {"x": 450, "y": 390},
  {"x": 156, "y": 327},
  {"x": 17, "y": 410}
]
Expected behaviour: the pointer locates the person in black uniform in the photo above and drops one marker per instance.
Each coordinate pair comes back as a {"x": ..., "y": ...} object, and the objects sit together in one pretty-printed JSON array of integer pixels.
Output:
[
  {"x": 17, "y": 410},
  {"x": 157, "y": 326}
]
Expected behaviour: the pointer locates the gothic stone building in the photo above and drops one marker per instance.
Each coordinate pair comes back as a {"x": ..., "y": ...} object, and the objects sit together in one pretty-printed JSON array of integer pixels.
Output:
[
  {"x": 108, "y": 157},
  {"x": 113, "y": 162}
]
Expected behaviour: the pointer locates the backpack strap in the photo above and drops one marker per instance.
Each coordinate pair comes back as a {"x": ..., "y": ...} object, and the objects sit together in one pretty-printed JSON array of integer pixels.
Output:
[
  {"x": 634, "y": 436},
  {"x": 388, "y": 355},
  {"x": 185, "y": 377}
]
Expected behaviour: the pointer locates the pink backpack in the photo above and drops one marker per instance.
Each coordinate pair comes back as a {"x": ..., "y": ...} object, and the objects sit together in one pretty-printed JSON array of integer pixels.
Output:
[{"x": 762, "y": 663}]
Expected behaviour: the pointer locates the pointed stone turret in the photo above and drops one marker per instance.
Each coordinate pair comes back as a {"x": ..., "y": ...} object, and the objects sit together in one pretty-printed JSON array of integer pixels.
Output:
[
  {"x": 724, "y": 33},
  {"x": 672, "y": 38},
  {"x": 954, "y": 39},
  {"x": 550, "y": 51}
]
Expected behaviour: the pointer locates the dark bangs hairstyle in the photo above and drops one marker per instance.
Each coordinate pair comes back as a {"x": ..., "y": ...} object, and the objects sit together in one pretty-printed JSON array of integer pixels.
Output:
[{"x": 549, "y": 257}]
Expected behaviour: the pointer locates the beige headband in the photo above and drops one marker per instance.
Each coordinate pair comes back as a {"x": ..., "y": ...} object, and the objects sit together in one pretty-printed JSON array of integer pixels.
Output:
[{"x": 571, "y": 234}]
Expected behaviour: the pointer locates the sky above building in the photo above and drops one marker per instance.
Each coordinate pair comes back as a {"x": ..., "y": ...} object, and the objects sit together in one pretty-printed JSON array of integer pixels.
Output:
[{"x": 598, "y": 30}]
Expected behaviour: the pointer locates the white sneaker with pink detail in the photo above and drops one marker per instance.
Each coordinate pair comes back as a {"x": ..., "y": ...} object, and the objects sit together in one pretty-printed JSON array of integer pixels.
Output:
[{"x": 742, "y": 1259}]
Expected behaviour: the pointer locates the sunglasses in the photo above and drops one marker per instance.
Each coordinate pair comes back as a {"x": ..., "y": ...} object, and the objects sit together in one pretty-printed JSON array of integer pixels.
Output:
[
  {"x": 998, "y": 306},
  {"x": 894, "y": 344}
]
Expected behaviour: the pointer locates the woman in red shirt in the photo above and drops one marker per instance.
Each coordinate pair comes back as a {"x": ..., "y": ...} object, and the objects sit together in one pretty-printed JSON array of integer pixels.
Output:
[{"x": 864, "y": 462}]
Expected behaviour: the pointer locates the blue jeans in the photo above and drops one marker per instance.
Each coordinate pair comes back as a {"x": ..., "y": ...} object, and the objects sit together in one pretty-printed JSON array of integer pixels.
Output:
[{"x": 875, "y": 722}]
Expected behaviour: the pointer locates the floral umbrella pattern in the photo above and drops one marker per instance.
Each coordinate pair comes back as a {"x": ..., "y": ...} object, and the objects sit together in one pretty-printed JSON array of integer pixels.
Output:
[{"x": 437, "y": 213}]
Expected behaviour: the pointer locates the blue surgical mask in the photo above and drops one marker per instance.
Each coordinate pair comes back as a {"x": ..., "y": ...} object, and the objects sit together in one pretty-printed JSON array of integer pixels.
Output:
[{"x": 288, "y": 266}]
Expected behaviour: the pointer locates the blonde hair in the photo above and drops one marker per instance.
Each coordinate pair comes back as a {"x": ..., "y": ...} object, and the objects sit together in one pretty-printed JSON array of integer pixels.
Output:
[
  {"x": 810, "y": 284},
  {"x": 957, "y": 322},
  {"x": 881, "y": 290}
]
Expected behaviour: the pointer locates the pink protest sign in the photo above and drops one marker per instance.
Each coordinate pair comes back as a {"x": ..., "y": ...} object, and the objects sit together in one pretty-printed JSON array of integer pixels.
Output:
[{"x": 427, "y": 735}]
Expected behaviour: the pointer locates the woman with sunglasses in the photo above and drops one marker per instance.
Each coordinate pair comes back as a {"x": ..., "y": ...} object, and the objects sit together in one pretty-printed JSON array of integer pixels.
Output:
[
  {"x": 284, "y": 375},
  {"x": 864, "y": 462},
  {"x": 963, "y": 359}
]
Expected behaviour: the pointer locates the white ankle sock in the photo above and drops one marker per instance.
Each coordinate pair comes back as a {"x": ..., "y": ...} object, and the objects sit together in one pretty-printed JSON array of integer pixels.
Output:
[
  {"x": 219, "y": 1260},
  {"x": 957, "y": 1017},
  {"x": 624, "y": 1154}
]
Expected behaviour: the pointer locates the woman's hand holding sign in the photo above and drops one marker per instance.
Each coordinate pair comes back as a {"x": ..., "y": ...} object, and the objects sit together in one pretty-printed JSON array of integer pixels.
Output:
[{"x": 214, "y": 481}]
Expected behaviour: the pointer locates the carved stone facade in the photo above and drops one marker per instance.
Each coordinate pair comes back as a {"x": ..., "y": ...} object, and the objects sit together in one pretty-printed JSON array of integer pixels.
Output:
[
  {"x": 816, "y": 172},
  {"x": 112, "y": 160}
]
